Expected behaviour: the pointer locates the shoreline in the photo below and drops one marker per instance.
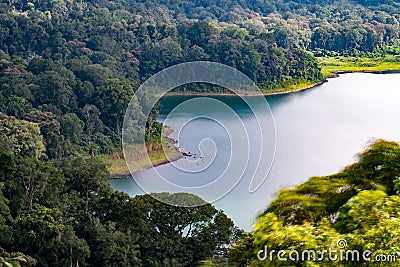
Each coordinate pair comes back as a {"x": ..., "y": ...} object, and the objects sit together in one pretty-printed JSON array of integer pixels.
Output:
[
  {"x": 311, "y": 86},
  {"x": 325, "y": 79},
  {"x": 128, "y": 173}
]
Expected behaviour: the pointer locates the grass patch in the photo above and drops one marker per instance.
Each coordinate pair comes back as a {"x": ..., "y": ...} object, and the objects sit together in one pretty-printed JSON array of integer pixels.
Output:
[
  {"x": 292, "y": 86},
  {"x": 331, "y": 65},
  {"x": 287, "y": 86},
  {"x": 117, "y": 164}
]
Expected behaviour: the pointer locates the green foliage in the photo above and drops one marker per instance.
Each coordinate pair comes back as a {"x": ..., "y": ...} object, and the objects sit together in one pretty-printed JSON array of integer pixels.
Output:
[
  {"x": 177, "y": 234},
  {"x": 86, "y": 175},
  {"x": 28, "y": 181},
  {"x": 313, "y": 200},
  {"x": 38, "y": 227},
  {"x": 108, "y": 245},
  {"x": 5, "y": 219},
  {"x": 375, "y": 62},
  {"x": 40, "y": 182},
  {"x": 67, "y": 72},
  {"x": 71, "y": 127},
  {"x": 379, "y": 165},
  {"x": 112, "y": 98},
  {"x": 24, "y": 137},
  {"x": 370, "y": 221},
  {"x": 50, "y": 129},
  {"x": 64, "y": 213},
  {"x": 16, "y": 258},
  {"x": 92, "y": 57},
  {"x": 317, "y": 214},
  {"x": 397, "y": 185},
  {"x": 43, "y": 233},
  {"x": 242, "y": 252},
  {"x": 70, "y": 249},
  {"x": 11, "y": 262},
  {"x": 95, "y": 53}
]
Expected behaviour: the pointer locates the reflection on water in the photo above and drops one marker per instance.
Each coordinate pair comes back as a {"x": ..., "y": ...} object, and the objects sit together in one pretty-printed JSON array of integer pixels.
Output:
[{"x": 318, "y": 132}]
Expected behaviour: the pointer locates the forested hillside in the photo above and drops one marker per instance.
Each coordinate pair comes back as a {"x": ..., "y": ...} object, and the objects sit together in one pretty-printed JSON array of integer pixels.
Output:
[
  {"x": 68, "y": 69},
  {"x": 72, "y": 66},
  {"x": 64, "y": 213}
]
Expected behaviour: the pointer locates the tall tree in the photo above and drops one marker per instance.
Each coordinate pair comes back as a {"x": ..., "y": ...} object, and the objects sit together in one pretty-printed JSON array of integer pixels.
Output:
[
  {"x": 24, "y": 136},
  {"x": 177, "y": 234},
  {"x": 91, "y": 114},
  {"x": 86, "y": 175}
]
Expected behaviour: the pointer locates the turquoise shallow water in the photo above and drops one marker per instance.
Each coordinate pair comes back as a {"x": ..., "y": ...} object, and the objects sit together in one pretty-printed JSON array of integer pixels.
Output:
[{"x": 318, "y": 132}]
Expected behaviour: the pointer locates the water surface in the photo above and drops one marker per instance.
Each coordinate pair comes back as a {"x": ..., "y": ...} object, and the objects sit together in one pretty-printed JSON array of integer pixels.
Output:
[{"x": 318, "y": 132}]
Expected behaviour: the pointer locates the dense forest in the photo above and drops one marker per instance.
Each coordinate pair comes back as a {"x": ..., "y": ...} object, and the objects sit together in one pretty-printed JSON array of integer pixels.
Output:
[
  {"x": 68, "y": 69},
  {"x": 64, "y": 213},
  {"x": 72, "y": 66}
]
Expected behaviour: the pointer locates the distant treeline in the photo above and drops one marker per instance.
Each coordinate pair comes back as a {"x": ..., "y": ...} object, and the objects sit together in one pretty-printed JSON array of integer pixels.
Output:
[{"x": 73, "y": 66}]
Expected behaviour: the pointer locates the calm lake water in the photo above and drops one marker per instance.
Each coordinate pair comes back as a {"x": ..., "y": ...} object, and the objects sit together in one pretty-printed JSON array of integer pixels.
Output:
[{"x": 318, "y": 132}]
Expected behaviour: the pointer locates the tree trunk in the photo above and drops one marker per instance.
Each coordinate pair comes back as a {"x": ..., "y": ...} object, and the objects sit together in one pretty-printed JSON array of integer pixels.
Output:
[
  {"x": 87, "y": 200},
  {"x": 70, "y": 257}
]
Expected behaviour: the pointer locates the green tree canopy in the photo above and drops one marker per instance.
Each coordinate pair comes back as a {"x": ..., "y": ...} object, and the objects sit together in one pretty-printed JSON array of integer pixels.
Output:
[
  {"x": 348, "y": 206},
  {"x": 24, "y": 136}
]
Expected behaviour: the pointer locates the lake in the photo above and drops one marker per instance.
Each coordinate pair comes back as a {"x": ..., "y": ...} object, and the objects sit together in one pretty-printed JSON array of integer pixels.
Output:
[{"x": 318, "y": 132}]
